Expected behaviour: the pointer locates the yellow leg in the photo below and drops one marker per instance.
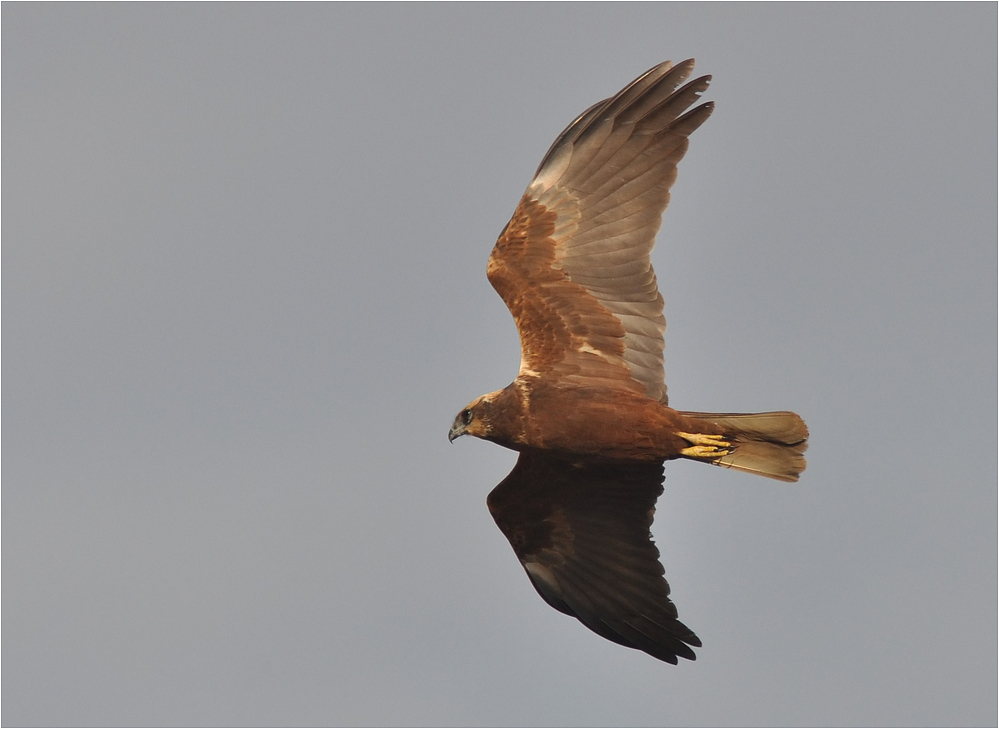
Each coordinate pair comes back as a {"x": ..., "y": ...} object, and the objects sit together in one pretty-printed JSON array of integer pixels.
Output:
[{"x": 704, "y": 445}]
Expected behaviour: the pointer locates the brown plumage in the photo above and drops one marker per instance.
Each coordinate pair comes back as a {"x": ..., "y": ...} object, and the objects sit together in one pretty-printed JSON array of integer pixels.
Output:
[{"x": 588, "y": 411}]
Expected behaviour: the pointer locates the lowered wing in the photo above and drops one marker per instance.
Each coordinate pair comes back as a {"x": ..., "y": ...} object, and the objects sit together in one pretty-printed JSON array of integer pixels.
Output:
[{"x": 581, "y": 530}]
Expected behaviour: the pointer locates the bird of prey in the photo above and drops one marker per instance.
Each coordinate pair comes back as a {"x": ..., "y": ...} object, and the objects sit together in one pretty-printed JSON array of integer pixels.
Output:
[{"x": 588, "y": 412}]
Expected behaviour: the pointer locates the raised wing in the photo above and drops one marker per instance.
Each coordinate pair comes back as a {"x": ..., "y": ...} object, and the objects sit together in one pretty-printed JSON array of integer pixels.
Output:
[
  {"x": 573, "y": 262},
  {"x": 581, "y": 530}
]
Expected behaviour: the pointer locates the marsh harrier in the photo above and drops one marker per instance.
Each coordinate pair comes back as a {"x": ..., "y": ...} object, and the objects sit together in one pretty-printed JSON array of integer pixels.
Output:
[{"x": 588, "y": 411}]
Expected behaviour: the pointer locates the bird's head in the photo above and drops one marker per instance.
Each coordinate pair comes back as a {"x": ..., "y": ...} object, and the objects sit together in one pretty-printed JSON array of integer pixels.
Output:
[{"x": 474, "y": 418}]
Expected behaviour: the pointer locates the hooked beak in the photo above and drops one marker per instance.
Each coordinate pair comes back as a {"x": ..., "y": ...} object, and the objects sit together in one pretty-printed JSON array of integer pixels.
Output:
[{"x": 457, "y": 430}]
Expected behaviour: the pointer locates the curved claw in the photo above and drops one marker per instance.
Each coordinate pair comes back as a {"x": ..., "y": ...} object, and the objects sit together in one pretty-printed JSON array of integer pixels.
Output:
[{"x": 705, "y": 445}]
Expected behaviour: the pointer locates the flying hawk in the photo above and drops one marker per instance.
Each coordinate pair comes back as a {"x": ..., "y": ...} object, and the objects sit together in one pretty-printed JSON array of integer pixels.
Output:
[{"x": 588, "y": 411}]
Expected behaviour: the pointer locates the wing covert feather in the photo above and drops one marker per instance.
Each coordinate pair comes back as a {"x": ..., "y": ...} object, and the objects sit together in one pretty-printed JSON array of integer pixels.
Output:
[{"x": 573, "y": 263}]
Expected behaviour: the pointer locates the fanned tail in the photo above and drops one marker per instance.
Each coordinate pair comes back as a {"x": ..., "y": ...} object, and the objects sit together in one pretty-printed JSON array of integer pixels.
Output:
[{"x": 767, "y": 444}]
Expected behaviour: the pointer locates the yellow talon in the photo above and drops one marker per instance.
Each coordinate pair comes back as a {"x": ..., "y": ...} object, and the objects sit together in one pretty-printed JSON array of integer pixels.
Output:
[
  {"x": 705, "y": 439},
  {"x": 703, "y": 452},
  {"x": 704, "y": 445}
]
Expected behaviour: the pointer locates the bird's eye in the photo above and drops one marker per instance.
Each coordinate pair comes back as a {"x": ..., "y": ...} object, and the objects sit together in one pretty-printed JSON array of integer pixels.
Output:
[{"x": 466, "y": 416}]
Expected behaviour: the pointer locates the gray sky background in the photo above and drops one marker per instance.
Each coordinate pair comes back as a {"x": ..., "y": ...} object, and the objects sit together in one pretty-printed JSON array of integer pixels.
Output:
[{"x": 244, "y": 295}]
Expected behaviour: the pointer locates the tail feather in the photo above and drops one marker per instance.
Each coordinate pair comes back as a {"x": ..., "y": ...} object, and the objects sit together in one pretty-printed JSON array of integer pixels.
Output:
[{"x": 767, "y": 444}]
